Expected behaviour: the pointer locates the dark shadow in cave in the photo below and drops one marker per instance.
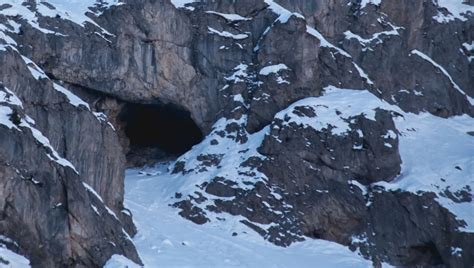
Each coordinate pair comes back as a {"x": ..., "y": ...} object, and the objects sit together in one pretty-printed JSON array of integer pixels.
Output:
[{"x": 157, "y": 132}]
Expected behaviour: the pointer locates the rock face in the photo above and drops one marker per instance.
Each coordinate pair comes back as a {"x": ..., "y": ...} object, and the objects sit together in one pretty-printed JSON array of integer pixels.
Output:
[
  {"x": 55, "y": 216},
  {"x": 252, "y": 83}
]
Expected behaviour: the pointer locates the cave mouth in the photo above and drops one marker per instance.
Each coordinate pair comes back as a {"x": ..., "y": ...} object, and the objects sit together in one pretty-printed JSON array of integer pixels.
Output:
[{"x": 157, "y": 132}]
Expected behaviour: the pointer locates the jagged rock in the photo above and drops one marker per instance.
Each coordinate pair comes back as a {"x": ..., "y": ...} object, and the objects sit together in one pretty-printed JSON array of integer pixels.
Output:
[
  {"x": 56, "y": 218},
  {"x": 239, "y": 78}
]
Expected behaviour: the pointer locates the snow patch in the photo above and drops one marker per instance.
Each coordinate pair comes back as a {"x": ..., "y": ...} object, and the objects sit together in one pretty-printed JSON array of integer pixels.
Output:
[
  {"x": 439, "y": 67},
  {"x": 240, "y": 73},
  {"x": 229, "y": 17},
  {"x": 227, "y": 34},
  {"x": 334, "y": 108},
  {"x": 73, "y": 99},
  {"x": 35, "y": 70},
  {"x": 5, "y": 113},
  {"x": 13, "y": 259},
  {"x": 284, "y": 14},
  {"x": 120, "y": 261},
  {"x": 183, "y": 3},
  {"x": 43, "y": 140},
  {"x": 72, "y": 10},
  {"x": 364, "y": 3},
  {"x": 9, "y": 97},
  {"x": 456, "y": 9},
  {"x": 273, "y": 69},
  {"x": 375, "y": 37}
]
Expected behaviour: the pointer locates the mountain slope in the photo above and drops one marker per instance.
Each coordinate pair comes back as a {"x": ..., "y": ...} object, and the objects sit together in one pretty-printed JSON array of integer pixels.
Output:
[{"x": 317, "y": 118}]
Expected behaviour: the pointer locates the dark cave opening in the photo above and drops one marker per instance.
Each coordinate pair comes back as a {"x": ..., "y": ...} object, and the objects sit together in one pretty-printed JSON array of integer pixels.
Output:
[{"x": 157, "y": 132}]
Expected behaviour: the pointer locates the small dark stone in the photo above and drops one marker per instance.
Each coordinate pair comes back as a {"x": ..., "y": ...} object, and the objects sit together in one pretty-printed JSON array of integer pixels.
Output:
[{"x": 15, "y": 118}]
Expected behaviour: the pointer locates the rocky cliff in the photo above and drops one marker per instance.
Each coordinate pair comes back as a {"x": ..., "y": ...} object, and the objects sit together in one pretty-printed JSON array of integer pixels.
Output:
[{"x": 298, "y": 103}]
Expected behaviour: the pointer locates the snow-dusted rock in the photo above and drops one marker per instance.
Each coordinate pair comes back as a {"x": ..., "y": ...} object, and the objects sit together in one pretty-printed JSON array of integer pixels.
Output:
[{"x": 286, "y": 152}]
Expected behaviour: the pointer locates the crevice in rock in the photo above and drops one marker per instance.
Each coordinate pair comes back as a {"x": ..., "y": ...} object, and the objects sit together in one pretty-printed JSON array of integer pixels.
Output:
[{"x": 156, "y": 132}]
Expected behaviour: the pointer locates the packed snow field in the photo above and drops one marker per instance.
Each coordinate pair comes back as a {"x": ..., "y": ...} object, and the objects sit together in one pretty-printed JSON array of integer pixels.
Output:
[
  {"x": 436, "y": 154},
  {"x": 165, "y": 239}
]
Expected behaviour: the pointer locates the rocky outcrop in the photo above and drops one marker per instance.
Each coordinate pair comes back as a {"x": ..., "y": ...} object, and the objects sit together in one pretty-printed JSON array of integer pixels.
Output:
[
  {"x": 251, "y": 83},
  {"x": 184, "y": 65},
  {"x": 62, "y": 222},
  {"x": 56, "y": 218}
]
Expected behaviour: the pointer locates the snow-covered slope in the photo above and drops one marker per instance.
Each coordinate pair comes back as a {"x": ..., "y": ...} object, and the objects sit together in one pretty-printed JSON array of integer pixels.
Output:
[
  {"x": 165, "y": 239},
  {"x": 437, "y": 155},
  {"x": 335, "y": 133},
  {"x": 456, "y": 10},
  {"x": 10, "y": 259}
]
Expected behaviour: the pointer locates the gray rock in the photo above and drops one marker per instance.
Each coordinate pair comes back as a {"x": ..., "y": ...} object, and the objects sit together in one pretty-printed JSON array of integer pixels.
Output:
[{"x": 317, "y": 183}]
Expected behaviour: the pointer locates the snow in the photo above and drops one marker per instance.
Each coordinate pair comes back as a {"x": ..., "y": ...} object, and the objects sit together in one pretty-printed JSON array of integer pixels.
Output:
[
  {"x": 119, "y": 261},
  {"x": 229, "y": 17},
  {"x": 95, "y": 209},
  {"x": 43, "y": 140},
  {"x": 327, "y": 107},
  {"x": 456, "y": 251},
  {"x": 92, "y": 191},
  {"x": 5, "y": 113},
  {"x": 239, "y": 98},
  {"x": 183, "y": 3},
  {"x": 364, "y": 3},
  {"x": 17, "y": 9},
  {"x": 231, "y": 152},
  {"x": 73, "y": 99},
  {"x": 323, "y": 42},
  {"x": 75, "y": 11},
  {"x": 431, "y": 147},
  {"x": 14, "y": 260},
  {"x": 359, "y": 185},
  {"x": 101, "y": 117},
  {"x": 35, "y": 70},
  {"x": 439, "y": 67},
  {"x": 72, "y": 10},
  {"x": 5, "y": 37},
  {"x": 240, "y": 73},
  {"x": 375, "y": 37},
  {"x": 27, "y": 122},
  {"x": 456, "y": 8},
  {"x": 284, "y": 14},
  {"x": 165, "y": 239},
  {"x": 273, "y": 69},
  {"x": 469, "y": 47},
  {"x": 38, "y": 74},
  {"x": 363, "y": 74},
  {"x": 9, "y": 97},
  {"x": 227, "y": 34}
]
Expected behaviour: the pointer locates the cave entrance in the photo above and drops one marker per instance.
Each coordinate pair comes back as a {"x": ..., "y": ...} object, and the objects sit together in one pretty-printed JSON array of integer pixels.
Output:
[{"x": 157, "y": 132}]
